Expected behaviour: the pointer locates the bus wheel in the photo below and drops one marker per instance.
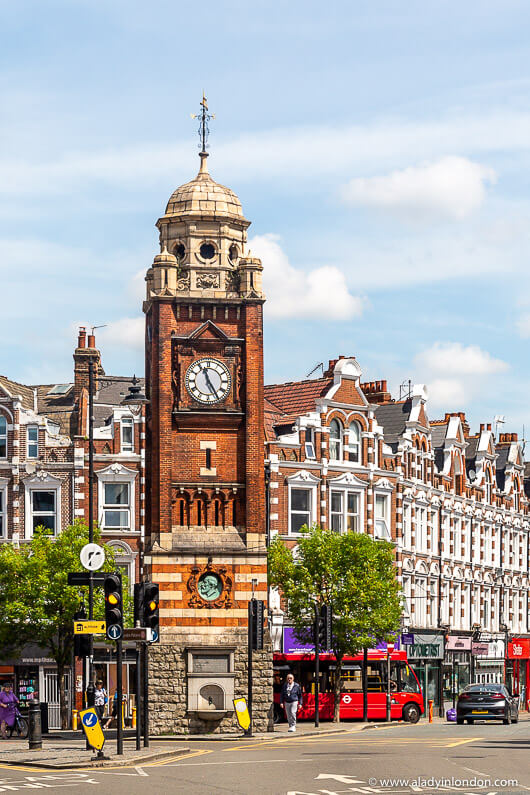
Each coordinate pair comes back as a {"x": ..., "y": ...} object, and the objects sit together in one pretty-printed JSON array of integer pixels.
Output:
[{"x": 411, "y": 713}]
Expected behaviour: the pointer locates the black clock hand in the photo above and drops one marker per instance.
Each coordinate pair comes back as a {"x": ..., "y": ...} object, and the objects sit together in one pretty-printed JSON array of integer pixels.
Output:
[{"x": 208, "y": 381}]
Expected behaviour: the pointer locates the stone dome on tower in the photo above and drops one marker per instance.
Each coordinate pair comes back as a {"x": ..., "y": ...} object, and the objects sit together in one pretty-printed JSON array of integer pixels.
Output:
[{"x": 203, "y": 196}]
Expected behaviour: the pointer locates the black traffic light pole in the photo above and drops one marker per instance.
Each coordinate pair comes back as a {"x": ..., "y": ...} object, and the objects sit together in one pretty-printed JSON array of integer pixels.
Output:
[
  {"x": 138, "y": 697},
  {"x": 145, "y": 651},
  {"x": 119, "y": 699},
  {"x": 90, "y": 690},
  {"x": 249, "y": 667}
]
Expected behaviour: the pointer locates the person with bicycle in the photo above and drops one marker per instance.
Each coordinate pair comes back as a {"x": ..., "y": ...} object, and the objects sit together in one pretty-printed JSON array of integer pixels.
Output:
[{"x": 8, "y": 709}]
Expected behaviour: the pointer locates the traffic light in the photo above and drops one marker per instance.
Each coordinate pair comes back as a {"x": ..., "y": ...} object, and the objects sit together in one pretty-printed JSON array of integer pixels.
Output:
[
  {"x": 151, "y": 617},
  {"x": 256, "y": 616},
  {"x": 325, "y": 628},
  {"x": 113, "y": 606},
  {"x": 81, "y": 642}
]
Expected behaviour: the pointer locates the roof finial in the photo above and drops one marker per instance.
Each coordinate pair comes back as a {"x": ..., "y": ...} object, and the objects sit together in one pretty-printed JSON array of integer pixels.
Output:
[{"x": 204, "y": 117}]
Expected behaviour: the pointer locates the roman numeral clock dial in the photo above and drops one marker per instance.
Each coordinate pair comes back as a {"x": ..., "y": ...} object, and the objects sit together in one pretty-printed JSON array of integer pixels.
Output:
[{"x": 208, "y": 381}]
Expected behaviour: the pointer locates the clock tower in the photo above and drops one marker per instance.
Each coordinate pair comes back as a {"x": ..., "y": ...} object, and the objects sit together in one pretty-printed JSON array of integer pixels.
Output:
[{"x": 205, "y": 494}]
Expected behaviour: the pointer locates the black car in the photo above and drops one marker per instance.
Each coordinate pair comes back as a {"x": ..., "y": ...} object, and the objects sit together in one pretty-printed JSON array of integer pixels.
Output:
[{"x": 487, "y": 702}]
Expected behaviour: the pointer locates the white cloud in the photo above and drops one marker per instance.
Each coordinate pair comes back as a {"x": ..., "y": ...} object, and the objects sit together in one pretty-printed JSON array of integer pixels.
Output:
[
  {"x": 455, "y": 373},
  {"x": 292, "y": 292},
  {"x": 126, "y": 332},
  {"x": 452, "y": 187}
]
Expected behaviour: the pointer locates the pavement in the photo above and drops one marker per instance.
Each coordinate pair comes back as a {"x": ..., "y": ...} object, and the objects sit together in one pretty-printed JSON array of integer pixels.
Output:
[{"x": 483, "y": 759}]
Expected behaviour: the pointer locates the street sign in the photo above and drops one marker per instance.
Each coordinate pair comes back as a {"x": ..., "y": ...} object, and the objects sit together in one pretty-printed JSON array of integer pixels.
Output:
[
  {"x": 114, "y": 632},
  {"x": 154, "y": 636},
  {"x": 92, "y": 728},
  {"x": 83, "y": 578},
  {"x": 242, "y": 713},
  {"x": 89, "y": 627},
  {"x": 92, "y": 557},
  {"x": 137, "y": 634}
]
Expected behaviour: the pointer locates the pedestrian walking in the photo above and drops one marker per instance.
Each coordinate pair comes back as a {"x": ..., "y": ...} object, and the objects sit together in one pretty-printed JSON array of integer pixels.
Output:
[
  {"x": 291, "y": 699},
  {"x": 8, "y": 703},
  {"x": 114, "y": 713},
  {"x": 101, "y": 699}
]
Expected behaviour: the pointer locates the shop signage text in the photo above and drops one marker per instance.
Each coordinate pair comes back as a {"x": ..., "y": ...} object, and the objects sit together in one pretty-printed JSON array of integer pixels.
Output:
[
  {"x": 426, "y": 647},
  {"x": 458, "y": 643},
  {"x": 519, "y": 649}
]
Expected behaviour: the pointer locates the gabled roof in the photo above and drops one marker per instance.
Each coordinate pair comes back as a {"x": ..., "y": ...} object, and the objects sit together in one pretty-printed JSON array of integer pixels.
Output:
[
  {"x": 13, "y": 388},
  {"x": 297, "y": 397},
  {"x": 393, "y": 418},
  {"x": 438, "y": 434}
]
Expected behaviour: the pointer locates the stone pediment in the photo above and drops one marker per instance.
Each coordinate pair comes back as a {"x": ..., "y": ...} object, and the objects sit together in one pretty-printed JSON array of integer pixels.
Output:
[
  {"x": 347, "y": 479},
  {"x": 208, "y": 331}
]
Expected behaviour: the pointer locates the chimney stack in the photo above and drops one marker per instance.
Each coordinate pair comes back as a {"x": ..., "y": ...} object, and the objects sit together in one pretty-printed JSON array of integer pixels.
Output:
[{"x": 82, "y": 356}]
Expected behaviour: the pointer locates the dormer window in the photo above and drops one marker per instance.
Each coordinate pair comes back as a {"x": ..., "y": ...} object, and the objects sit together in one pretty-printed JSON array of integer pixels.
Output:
[
  {"x": 127, "y": 435},
  {"x": 309, "y": 443},
  {"x": 335, "y": 441},
  {"x": 354, "y": 441},
  {"x": 3, "y": 437},
  {"x": 33, "y": 441}
]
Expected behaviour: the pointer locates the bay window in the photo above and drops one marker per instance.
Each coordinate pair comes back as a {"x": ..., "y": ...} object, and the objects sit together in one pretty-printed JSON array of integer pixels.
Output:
[
  {"x": 345, "y": 511},
  {"x": 116, "y": 506}
]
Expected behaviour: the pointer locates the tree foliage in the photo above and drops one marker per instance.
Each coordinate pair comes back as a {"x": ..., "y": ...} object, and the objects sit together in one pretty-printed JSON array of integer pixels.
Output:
[
  {"x": 353, "y": 573},
  {"x": 36, "y": 603}
]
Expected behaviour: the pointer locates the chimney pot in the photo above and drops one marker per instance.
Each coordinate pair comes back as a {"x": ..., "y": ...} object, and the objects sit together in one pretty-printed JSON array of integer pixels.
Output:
[
  {"x": 81, "y": 340},
  {"x": 488, "y": 426},
  {"x": 91, "y": 341},
  {"x": 481, "y": 426}
]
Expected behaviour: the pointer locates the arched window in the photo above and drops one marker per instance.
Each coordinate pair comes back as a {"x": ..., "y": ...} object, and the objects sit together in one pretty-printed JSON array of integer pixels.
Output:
[
  {"x": 516, "y": 487},
  {"x": 3, "y": 437},
  {"x": 355, "y": 442},
  {"x": 335, "y": 441}
]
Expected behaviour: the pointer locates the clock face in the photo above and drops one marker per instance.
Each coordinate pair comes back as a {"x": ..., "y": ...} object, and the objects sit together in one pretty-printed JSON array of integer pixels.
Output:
[{"x": 208, "y": 380}]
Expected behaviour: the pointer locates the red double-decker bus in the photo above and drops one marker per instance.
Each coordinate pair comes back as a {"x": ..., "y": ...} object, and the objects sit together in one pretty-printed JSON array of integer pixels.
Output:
[{"x": 406, "y": 695}]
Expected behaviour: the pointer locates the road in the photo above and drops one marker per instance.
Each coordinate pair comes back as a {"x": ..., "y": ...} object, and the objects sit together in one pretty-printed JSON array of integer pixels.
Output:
[{"x": 356, "y": 762}]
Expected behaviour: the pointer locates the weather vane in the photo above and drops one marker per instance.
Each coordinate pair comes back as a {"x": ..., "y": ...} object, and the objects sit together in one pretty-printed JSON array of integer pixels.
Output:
[{"x": 204, "y": 117}]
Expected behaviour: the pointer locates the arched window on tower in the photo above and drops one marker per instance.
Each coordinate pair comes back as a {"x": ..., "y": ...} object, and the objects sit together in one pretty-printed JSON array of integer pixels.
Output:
[
  {"x": 335, "y": 440},
  {"x": 354, "y": 440},
  {"x": 487, "y": 485}
]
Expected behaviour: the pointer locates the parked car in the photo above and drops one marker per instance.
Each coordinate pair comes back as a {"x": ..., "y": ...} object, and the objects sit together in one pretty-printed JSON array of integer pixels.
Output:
[{"x": 487, "y": 702}]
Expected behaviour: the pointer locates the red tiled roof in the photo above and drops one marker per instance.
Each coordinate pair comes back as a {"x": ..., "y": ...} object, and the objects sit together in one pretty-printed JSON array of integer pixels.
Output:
[
  {"x": 273, "y": 415},
  {"x": 297, "y": 397}
]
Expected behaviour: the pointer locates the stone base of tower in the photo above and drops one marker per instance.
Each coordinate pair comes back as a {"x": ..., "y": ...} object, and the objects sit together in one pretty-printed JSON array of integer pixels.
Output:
[{"x": 195, "y": 672}]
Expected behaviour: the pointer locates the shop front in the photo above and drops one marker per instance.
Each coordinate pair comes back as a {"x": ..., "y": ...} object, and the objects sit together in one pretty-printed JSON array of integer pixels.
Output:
[
  {"x": 518, "y": 670},
  {"x": 425, "y": 651},
  {"x": 487, "y": 658},
  {"x": 457, "y": 669}
]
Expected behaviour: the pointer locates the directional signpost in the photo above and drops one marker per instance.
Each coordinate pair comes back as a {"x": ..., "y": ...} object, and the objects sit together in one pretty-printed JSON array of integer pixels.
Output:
[
  {"x": 114, "y": 632},
  {"x": 92, "y": 557},
  {"x": 89, "y": 627}
]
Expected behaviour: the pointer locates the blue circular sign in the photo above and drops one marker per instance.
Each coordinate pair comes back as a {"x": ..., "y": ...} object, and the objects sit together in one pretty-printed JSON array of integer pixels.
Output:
[
  {"x": 90, "y": 719},
  {"x": 114, "y": 632},
  {"x": 154, "y": 636}
]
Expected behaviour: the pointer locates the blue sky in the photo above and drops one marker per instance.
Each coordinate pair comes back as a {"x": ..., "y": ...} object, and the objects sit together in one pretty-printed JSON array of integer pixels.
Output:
[{"x": 381, "y": 150}]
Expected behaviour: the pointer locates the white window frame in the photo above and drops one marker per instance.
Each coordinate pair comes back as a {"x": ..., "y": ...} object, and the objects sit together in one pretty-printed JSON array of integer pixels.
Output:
[
  {"x": 344, "y": 513},
  {"x": 407, "y": 525},
  {"x": 303, "y": 480},
  {"x": 334, "y": 443},
  {"x": 4, "y": 427},
  {"x": 32, "y": 442},
  {"x": 385, "y": 497},
  {"x": 457, "y": 538},
  {"x": 421, "y": 528},
  {"x": 309, "y": 444},
  {"x": 126, "y": 422},
  {"x": 421, "y": 594},
  {"x": 355, "y": 442},
  {"x": 488, "y": 486},
  {"x": 444, "y": 612},
  {"x": 118, "y": 508},
  {"x": 309, "y": 513},
  {"x": 116, "y": 473},
  {"x": 3, "y": 507},
  {"x": 41, "y": 482}
]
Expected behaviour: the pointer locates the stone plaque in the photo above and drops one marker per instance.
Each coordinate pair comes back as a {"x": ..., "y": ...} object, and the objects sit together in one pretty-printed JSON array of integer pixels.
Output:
[{"x": 211, "y": 663}]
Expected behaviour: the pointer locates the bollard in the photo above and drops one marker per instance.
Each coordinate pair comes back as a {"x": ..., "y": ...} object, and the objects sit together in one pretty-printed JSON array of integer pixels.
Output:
[
  {"x": 133, "y": 724},
  {"x": 431, "y": 706},
  {"x": 75, "y": 713},
  {"x": 35, "y": 729}
]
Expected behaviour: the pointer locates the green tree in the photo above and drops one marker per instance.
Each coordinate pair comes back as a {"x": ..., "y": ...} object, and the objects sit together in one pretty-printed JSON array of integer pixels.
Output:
[
  {"x": 36, "y": 603},
  {"x": 353, "y": 573}
]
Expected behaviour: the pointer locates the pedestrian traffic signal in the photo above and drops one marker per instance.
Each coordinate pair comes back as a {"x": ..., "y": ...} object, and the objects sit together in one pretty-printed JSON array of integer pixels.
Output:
[
  {"x": 325, "y": 628},
  {"x": 113, "y": 606},
  {"x": 81, "y": 642},
  {"x": 256, "y": 618}
]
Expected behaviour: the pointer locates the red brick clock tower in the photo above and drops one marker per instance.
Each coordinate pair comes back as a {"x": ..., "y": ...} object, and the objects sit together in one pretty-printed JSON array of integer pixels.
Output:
[{"x": 205, "y": 490}]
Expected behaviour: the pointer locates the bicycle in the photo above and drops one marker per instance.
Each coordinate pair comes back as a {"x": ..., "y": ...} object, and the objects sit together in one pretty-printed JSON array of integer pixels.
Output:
[{"x": 21, "y": 726}]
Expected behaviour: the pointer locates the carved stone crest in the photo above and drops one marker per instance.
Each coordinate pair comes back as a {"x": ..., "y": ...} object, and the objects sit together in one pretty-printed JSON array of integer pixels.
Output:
[
  {"x": 207, "y": 281},
  {"x": 210, "y": 587},
  {"x": 183, "y": 282}
]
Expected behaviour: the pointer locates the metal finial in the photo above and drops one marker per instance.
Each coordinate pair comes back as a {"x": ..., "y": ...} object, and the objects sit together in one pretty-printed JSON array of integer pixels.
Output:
[{"x": 204, "y": 117}]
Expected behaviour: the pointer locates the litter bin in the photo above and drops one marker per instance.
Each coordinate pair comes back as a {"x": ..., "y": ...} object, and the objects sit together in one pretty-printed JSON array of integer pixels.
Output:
[{"x": 44, "y": 717}]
